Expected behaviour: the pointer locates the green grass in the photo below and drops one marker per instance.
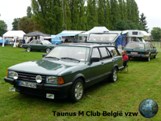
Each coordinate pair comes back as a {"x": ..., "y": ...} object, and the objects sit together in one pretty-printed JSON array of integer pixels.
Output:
[{"x": 143, "y": 80}]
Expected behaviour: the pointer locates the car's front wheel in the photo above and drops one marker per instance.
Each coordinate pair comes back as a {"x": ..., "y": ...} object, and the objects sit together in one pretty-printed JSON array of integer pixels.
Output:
[
  {"x": 114, "y": 75},
  {"x": 77, "y": 90}
]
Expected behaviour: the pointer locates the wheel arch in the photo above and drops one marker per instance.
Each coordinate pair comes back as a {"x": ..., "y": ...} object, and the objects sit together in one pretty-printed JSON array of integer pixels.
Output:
[
  {"x": 79, "y": 76},
  {"x": 116, "y": 66}
]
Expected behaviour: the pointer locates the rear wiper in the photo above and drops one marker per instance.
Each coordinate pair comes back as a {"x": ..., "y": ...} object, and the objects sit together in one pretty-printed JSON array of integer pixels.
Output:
[
  {"x": 52, "y": 57},
  {"x": 70, "y": 58}
]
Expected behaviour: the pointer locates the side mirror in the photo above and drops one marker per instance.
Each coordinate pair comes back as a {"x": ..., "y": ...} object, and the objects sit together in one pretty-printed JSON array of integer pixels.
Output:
[{"x": 95, "y": 59}]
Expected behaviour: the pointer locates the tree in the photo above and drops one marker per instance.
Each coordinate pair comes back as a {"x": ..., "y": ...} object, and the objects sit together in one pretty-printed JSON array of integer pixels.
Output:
[
  {"x": 3, "y": 27},
  {"x": 15, "y": 24},
  {"x": 66, "y": 15},
  {"x": 114, "y": 13},
  {"x": 82, "y": 15},
  {"x": 74, "y": 9},
  {"x": 143, "y": 22},
  {"x": 56, "y": 15},
  {"x": 28, "y": 25},
  {"x": 29, "y": 13},
  {"x": 91, "y": 14},
  {"x": 132, "y": 13},
  {"x": 101, "y": 12},
  {"x": 48, "y": 14},
  {"x": 156, "y": 33},
  {"x": 107, "y": 14}
]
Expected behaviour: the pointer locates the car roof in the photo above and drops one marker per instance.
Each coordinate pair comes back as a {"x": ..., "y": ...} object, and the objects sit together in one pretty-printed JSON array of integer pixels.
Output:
[{"x": 85, "y": 44}]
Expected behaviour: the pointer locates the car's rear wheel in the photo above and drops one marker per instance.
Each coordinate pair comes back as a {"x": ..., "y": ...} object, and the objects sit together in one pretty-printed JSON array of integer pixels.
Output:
[
  {"x": 77, "y": 90},
  {"x": 114, "y": 75},
  {"x": 28, "y": 49}
]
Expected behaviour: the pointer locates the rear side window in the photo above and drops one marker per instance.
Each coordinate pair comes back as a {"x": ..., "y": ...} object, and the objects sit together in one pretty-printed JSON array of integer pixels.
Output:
[
  {"x": 113, "y": 51},
  {"x": 104, "y": 52}
]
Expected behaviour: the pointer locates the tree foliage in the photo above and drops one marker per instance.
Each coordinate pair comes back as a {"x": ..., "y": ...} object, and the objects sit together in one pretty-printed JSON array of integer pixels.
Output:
[
  {"x": 91, "y": 14},
  {"x": 15, "y": 24},
  {"x": 27, "y": 24},
  {"x": 29, "y": 12},
  {"x": 143, "y": 23},
  {"x": 156, "y": 33},
  {"x": 3, "y": 27},
  {"x": 53, "y": 16}
]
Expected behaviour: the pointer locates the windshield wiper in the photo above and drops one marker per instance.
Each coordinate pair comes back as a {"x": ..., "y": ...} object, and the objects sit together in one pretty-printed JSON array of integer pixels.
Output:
[
  {"x": 52, "y": 57},
  {"x": 68, "y": 58}
]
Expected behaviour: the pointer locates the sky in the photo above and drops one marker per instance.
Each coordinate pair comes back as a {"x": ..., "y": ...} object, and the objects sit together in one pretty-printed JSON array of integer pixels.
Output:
[
  {"x": 10, "y": 9},
  {"x": 151, "y": 10}
]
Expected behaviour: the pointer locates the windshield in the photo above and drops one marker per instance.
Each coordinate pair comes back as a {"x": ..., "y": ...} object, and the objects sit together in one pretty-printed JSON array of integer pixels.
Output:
[
  {"x": 70, "y": 52},
  {"x": 103, "y": 38},
  {"x": 135, "y": 45}
]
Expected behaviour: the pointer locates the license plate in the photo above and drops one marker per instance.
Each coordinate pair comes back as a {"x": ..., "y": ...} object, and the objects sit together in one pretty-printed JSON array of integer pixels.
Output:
[
  {"x": 134, "y": 53},
  {"x": 27, "y": 84},
  {"x": 50, "y": 96}
]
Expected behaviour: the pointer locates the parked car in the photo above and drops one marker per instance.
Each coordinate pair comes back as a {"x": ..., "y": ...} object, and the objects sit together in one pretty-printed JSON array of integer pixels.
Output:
[
  {"x": 141, "y": 50},
  {"x": 38, "y": 45},
  {"x": 3, "y": 41},
  {"x": 66, "y": 71}
]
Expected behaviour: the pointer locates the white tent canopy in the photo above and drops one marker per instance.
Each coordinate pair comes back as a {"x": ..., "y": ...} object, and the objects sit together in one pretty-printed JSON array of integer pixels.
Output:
[
  {"x": 97, "y": 29},
  {"x": 19, "y": 34},
  {"x": 14, "y": 34}
]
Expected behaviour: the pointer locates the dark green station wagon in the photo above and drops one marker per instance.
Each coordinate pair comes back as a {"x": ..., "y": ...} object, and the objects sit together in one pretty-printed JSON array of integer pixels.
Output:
[{"x": 66, "y": 71}]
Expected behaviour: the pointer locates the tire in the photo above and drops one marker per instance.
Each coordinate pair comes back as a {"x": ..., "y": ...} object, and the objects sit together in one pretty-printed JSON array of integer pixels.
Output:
[
  {"x": 28, "y": 49},
  {"x": 77, "y": 90},
  {"x": 113, "y": 76},
  {"x": 47, "y": 50}
]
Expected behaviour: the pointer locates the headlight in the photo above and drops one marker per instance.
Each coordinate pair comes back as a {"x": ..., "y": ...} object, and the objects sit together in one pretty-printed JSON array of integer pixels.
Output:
[
  {"x": 38, "y": 79},
  {"x": 13, "y": 74},
  {"x": 52, "y": 80}
]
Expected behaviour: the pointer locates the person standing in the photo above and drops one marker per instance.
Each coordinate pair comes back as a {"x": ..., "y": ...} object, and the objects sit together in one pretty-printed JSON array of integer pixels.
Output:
[{"x": 125, "y": 58}]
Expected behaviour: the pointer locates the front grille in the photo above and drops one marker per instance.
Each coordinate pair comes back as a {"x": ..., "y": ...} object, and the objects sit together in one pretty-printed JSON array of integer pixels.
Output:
[{"x": 29, "y": 77}]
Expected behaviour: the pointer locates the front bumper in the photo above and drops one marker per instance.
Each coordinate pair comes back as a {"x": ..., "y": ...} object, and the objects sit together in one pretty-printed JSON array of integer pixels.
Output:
[{"x": 60, "y": 91}]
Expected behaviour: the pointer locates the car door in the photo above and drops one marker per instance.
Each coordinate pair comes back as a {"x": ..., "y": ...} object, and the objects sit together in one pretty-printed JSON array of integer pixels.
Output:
[
  {"x": 37, "y": 45},
  {"x": 117, "y": 58},
  {"x": 106, "y": 61},
  {"x": 98, "y": 70},
  {"x": 94, "y": 69}
]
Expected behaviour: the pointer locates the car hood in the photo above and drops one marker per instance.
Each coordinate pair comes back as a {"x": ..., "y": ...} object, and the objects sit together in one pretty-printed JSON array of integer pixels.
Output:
[{"x": 45, "y": 67}]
